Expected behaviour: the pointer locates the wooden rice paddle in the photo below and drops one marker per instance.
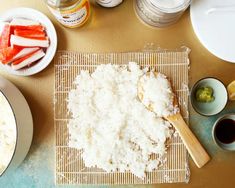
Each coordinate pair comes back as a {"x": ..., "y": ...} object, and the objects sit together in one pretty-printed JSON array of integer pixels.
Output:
[{"x": 194, "y": 147}]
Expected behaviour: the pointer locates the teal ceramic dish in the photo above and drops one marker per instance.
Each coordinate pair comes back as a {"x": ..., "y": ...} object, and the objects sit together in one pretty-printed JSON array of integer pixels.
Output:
[{"x": 220, "y": 97}]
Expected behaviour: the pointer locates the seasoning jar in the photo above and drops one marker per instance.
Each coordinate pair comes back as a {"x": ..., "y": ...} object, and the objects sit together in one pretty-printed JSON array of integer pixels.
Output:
[
  {"x": 160, "y": 13},
  {"x": 70, "y": 13},
  {"x": 109, "y": 3}
]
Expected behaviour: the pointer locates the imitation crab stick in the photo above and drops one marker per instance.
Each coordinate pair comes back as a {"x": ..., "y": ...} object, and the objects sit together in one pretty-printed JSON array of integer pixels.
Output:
[
  {"x": 4, "y": 35},
  {"x": 7, "y": 54},
  {"x": 24, "y": 52},
  {"x": 27, "y": 42},
  {"x": 27, "y": 60},
  {"x": 23, "y": 58},
  {"x": 29, "y": 33},
  {"x": 32, "y": 27},
  {"x": 20, "y": 23},
  {"x": 23, "y": 22}
]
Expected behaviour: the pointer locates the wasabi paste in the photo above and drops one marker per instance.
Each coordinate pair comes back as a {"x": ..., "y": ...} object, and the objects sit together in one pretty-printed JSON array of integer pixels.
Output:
[{"x": 205, "y": 94}]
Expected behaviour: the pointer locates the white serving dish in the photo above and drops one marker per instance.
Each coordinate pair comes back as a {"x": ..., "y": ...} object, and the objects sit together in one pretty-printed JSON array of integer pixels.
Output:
[
  {"x": 24, "y": 123},
  {"x": 213, "y": 23},
  {"x": 29, "y": 13}
]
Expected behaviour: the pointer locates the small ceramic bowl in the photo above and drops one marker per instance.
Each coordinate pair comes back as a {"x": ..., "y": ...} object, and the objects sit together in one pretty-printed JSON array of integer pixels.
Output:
[
  {"x": 229, "y": 146},
  {"x": 219, "y": 92}
]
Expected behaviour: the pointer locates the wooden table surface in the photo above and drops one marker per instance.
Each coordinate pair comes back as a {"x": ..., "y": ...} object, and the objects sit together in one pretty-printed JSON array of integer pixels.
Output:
[{"x": 118, "y": 30}]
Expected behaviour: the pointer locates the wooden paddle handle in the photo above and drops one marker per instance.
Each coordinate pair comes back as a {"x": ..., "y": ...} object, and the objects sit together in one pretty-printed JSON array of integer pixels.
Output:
[{"x": 194, "y": 147}]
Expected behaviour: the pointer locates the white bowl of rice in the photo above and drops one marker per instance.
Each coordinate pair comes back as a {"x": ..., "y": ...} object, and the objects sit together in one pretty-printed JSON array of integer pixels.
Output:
[{"x": 16, "y": 127}]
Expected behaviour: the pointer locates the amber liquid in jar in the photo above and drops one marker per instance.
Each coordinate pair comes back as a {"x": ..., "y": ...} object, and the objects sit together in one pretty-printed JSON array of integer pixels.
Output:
[{"x": 70, "y": 13}]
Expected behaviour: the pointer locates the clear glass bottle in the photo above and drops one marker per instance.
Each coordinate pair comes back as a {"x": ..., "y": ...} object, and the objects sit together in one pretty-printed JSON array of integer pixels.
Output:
[{"x": 70, "y": 13}]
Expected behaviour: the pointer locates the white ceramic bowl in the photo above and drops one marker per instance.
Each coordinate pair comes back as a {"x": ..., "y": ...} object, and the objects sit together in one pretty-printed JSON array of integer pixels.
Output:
[
  {"x": 32, "y": 14},
  {"x": 24, "y": 123}
]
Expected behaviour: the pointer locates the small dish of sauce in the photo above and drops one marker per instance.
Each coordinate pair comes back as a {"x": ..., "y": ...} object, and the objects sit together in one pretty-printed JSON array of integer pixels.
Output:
[{"x": 224, "y": 132}]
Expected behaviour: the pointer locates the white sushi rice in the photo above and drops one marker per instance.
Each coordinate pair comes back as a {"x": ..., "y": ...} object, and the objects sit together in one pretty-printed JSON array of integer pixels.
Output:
[
  {"x": 7, "y": 133},
  {"x": 115, "y": 131},
  {"x": 157, "y": 92}
]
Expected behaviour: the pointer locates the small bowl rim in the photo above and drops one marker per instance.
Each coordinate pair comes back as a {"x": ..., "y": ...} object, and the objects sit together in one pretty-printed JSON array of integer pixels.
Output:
[
  {"x": 191, "y": 95},
  {"x": 213, "y": 130}
]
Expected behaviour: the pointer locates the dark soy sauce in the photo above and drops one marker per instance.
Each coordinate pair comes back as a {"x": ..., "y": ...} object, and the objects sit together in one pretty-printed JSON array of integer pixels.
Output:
[{"x": 225, "y": 131}]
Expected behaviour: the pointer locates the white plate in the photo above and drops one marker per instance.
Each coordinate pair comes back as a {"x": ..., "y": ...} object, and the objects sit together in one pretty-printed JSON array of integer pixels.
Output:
[
  {"x": 32, "y": 14},
  {"x": 214, "y": 24}
]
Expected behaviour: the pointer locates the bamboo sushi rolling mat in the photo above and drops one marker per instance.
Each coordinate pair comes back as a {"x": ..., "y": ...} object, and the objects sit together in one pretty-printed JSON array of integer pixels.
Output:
[{"x": 70, "y": 168}]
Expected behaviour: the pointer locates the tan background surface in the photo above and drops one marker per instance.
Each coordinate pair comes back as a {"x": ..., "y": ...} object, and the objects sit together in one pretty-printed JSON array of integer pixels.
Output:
[{"x": 116, "y": 30}]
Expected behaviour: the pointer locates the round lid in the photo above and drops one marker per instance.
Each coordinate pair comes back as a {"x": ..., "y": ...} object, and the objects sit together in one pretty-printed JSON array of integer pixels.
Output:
[
  {"x": 213, "y": 22},
  {"x": 109, "y": 3},
  {"x": 171, "y": 5}
]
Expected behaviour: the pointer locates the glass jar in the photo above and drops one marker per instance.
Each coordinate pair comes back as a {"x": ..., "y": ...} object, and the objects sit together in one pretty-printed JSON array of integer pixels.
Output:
[
  {"x": 160, "y": 13},
  {"x": 70, "y": 13}
]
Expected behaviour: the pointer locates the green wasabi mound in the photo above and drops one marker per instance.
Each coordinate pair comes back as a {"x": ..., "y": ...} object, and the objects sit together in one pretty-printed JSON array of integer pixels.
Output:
[{"x": 205, "y": 94}]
